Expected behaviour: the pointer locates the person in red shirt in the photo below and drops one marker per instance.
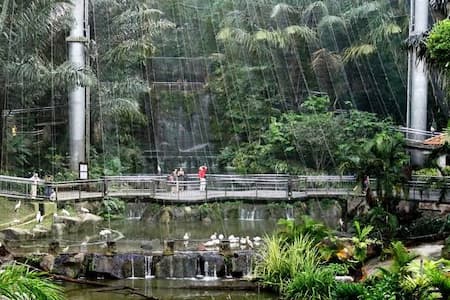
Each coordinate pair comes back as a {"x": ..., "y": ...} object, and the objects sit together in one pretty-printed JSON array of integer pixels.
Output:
[{"x": 202, "y": 176}]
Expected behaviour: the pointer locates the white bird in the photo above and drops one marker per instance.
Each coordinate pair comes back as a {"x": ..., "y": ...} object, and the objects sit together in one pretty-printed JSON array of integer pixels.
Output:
[
  {"x": 105, "y": 233},
  {"x": 257, "y": 239},
  {"x": 214, "y": 236},
  {"x": 159, "y": 170},
  {"x": 221, "y": 237},
  {"x": 39, "y": 217},
  {"x": 16, "y": 208},
  {"x": 432, "y": 129},
  {"x": 65, "y": 212},
  {"x": 84, "y": 210},
  {"x": 341, "y": 224},
  {"x": 249, "y": 242},
  {"x": 186, "y": 239},
  {"x": 65, "y": 249}
]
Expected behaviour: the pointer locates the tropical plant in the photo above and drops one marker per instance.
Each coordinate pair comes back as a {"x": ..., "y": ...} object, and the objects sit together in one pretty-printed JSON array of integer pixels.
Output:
[
  {"x": 18, "y": 282},
  {"x": 304, "y": 225},
  {"x": 360, "y": 241},
  {"x": 112, "y": 208}
]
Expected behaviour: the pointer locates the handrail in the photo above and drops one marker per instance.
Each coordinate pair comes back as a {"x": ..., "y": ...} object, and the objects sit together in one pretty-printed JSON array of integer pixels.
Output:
[{"x": 219, "y": 186}]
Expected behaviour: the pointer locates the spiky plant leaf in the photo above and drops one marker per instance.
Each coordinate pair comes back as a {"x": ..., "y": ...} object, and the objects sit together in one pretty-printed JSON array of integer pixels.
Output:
[
  {"x": 282, "y": 9},
  {"x": 355, "y": 52}
]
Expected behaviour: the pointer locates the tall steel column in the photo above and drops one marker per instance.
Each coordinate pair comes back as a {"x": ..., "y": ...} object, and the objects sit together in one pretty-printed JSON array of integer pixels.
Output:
[
  {"x": 418, "y": 81},
  {"x": 77, "y": 104}
]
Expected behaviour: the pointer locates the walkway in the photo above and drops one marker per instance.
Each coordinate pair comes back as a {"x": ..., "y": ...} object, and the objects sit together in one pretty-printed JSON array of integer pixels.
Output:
[{"x": 255, "y": 187}]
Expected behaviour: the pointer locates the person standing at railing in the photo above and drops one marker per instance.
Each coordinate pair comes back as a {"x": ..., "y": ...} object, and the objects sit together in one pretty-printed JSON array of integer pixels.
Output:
[
  {"x": 35, "y": 179},
  {"x": 202, "y": 176}
]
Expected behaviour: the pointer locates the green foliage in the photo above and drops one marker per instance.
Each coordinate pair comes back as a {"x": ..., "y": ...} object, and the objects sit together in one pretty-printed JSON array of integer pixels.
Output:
[
  {"x": 112, "y": 207},
  {"x": 17, "y": 282},
  {"x": 438, "y": 44},
  {"x": 360, "y": 241},
  {"x": 349, "y": 291},
  {"x": 304, "y": 225},
  {"x": 385, "y": 225}
]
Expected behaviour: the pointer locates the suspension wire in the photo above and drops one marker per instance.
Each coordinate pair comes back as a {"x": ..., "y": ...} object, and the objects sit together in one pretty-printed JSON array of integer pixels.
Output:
[
  {"x": 52, "y": 103},
  {"x": 275, "y": 73},
  {"x": 206, "y": 70},
  {"x": 99, "y": 86},
  {"x": 356, "y": 63},
  {"x": 4, "y": 159},
  {"x": 202, "y": 126}
]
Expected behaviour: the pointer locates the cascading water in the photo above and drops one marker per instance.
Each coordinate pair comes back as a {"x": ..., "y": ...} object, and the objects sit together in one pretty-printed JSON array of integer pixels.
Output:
[
  {"x": 134, "y": 211},
  {"x": 289, "y": 213},
  {"x": 148, "y": 260},
  {"x": 132, "y": 267},
  {"x": 250, "y": 214}
]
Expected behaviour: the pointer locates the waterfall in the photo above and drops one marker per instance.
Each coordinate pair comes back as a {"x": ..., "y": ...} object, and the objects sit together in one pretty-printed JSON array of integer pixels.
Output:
[
  {"x": 206, "y": 269},
  {"x": 247, "y": 215},
  {"x": 289, "y": 213},
  {"x": 171, "y": 267},
  {"x": 199, "y": 274},
  {"x": 134, "y": 211},
  {"x": 132, "y": 267},
  {"x": 248, "y": 264},
  {"x": 148, "y": 266}
]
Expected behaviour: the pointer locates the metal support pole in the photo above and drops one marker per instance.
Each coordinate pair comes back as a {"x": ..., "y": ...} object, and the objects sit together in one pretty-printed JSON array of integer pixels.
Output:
[
  {"x": 77, "y": 105},
  {"x": 417, "y": 76}
]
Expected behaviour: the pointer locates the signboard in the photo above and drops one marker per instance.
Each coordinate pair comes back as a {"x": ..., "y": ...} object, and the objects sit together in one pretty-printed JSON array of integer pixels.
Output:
[{"x": 83, "y": 171}]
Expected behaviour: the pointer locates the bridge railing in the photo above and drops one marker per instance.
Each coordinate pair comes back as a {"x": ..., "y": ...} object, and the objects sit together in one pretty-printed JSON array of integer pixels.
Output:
[
  {"x": 16, "y": 187},
  {"x": 218, "y": 186}
]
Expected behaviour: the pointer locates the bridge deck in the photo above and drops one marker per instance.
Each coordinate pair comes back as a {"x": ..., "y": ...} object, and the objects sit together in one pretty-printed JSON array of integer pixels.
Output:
[{"x": 219, "y": 188}]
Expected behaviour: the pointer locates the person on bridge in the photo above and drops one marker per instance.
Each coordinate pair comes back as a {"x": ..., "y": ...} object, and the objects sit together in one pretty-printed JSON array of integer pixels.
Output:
[
  {"x": 35, "y": 179},
  {"x": 202, "y": 176}
]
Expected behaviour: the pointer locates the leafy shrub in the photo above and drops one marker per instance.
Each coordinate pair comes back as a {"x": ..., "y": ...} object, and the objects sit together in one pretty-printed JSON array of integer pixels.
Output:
[
  {"x": 438, "y": 44},
  {"x": 112, "y": 207},
  {"x": 349, "y": 291}
]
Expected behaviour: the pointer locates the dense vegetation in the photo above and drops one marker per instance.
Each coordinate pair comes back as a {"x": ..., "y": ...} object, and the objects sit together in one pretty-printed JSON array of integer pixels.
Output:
[{"x": 303, "y": 71}]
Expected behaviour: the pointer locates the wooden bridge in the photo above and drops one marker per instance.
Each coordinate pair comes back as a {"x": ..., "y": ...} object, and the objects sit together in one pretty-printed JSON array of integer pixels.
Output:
[{"x": 254, "y": 187}]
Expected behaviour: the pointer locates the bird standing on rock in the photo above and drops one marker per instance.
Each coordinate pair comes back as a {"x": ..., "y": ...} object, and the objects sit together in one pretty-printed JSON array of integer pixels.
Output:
[
  {"x": 186, "y": 239},
  {"x": 17, "y": 206}
]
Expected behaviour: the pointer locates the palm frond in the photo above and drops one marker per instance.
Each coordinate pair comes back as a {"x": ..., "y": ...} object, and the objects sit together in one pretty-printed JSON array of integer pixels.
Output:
[
  {"x": 314, "y": 12},
  {"x": 303, "y": 32},
  {"x": 282, "y": 9},
  {"x": 364, "y": 10},
  {"x": 355, "y": 52},
  {"x": 131, "y": 51},
  {"x": 18, "y": 282},
  {"x": 124, "y": 108},
  {"x": 385, "y": 31},
  {"x": 324, "y": 57}
]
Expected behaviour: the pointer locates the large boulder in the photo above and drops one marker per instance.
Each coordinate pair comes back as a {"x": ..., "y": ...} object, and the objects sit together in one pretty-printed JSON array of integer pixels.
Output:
[
  {"x": 13, "y": 233},
  {"x": 70, "y": 265}
]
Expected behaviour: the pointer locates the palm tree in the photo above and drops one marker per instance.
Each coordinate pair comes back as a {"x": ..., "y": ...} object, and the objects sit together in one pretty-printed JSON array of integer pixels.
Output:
[
  {"x": 19, "y": 282},
  {"x": 33, "y": 67}
]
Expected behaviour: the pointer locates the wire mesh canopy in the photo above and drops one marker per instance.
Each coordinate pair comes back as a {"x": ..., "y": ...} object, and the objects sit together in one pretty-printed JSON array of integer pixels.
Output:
[{"x": 185, "y": 83}]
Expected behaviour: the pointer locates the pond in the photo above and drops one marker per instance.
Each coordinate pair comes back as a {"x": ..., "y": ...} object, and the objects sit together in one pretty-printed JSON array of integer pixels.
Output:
[{"x": 163, "y": 289}]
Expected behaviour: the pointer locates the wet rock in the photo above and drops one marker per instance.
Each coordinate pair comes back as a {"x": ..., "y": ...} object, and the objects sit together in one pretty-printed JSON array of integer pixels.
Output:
[
  {"x": 326, "y": 211},
  {"x": 5, "y": 254},
  {"x": 206, "y": 221},
  {"x": 70, "y": 265},
  {"x": 13, "y": 233},
  {"x": 58, "y": 229},
  {"x": 90, "y": 218},
  {"x": 47, "y": 263},
  {"x": 240, "y": 264}
]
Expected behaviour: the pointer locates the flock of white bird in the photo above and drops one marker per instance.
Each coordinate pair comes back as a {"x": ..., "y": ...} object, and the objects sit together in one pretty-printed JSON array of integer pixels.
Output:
[{"x": 235, "y": 241}]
